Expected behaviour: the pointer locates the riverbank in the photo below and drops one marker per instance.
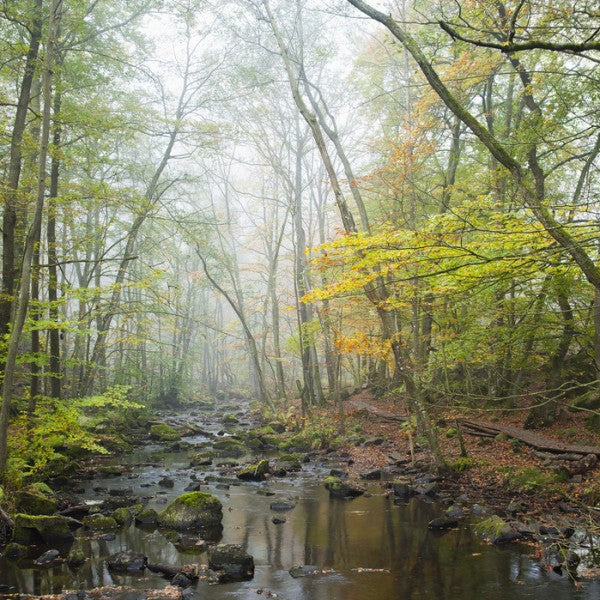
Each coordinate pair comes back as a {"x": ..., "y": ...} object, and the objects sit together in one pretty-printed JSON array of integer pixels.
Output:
[{"x": 308, "y": 540}]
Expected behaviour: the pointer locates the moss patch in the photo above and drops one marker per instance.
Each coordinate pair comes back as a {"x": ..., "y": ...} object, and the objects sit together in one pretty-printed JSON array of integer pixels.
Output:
[
  {"x": 164, "y": 433},
  {"x": 195, "y": 511}
]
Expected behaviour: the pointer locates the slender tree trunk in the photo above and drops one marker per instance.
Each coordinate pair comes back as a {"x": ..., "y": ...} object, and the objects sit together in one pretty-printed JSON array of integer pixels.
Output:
[
  {"x": 22, "y": 303},
  {"x": 11, "y": 208}
]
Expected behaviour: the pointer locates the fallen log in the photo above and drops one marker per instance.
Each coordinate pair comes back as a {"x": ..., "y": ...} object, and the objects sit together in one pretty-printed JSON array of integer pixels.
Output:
[{"x": 535, "y": 440}]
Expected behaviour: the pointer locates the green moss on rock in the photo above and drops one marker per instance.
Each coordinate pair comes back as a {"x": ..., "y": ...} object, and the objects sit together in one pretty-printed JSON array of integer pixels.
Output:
[
  {"x": 164, "y": 433},
  {"x": 256, "y": 472},
  {"x": 195, "y": 511},
  {"x": 123, "y": 516},
  {"x": 146, "y": 516},
  {"x": 30, "y": 529},
  {"x": 32, "y": 502},
  {"x": 99, "y": 522}
]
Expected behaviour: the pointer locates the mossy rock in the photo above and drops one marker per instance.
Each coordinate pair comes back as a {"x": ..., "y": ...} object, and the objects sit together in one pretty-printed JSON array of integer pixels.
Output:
[
  {"x": 201, "y": 459},
  {"x": 30, "y": 529},
  {"x": 496, "y": 530},
  {"x": 229, "y": 447},
  {"x": 256, "y": 472},
  {"x": 99, "y": 522},
  {"x": 14, "y": 551},
  {"x": 298, "y": 443},
  {"x": 32, "y": 502},
  {"x": 76, "y": 558},
  {"x": 123, "y": 516},
  {"x": 164, "y": 433},
  {"x": 340, "y": 489},
  {"x": 146, "y": 516},
  {"x": 229, "y": 419},
  {"x": 195, "y": 511},
  {"x": 39, "y": 487}
]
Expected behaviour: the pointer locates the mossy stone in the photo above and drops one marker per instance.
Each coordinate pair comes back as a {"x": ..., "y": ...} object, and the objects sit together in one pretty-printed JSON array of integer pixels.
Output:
[
  {"x": 123, "y": 516},
  {"x": 195, "y": 511},
  {"x": 164, "y": 433},
  {"x": 256, "y": 472},
  {"x": 99, "y": 522},
  {"x": 229, "y": 447},
  {"x": 30, "y": 529},
  {"x": 229, "y": 419},
  {"x": 146, "y": 516},
  {"x": 495, "y": 530},
  {"x": 34, "y": 503},
  {"x": 76, "y": 558},
  {"x": 14, "y": 551}
]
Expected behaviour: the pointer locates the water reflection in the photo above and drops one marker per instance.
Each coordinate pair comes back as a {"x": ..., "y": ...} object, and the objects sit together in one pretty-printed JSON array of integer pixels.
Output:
[{"x": 348, "y": 537}]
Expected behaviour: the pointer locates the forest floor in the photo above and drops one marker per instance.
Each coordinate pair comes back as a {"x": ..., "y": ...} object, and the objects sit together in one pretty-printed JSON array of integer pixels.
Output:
[{"x": 498, "y": 469}]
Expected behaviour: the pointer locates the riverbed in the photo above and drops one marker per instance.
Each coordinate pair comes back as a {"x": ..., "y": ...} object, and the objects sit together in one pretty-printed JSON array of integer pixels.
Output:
[{"x": 372, "y": 547}]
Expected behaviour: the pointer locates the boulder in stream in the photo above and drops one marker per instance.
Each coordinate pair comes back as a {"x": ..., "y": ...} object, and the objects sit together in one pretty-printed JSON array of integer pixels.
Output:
[
  {"x": 98, "y": 522},
  {"x": 147, "y": 516},
  {"x": 46, "y": 559},
  {"x": 31, "y": 529},
  {"x": 341, "y": 489},
  {"x": 231, "y": 562},
  {"x": 195, "y": 511},
  {"x": 256, "y": 472},
  {"x": 164, "y": 433},
  {"x": 496, "y": 530},
  {"x": 14, "y": 551},
  {"x": 36, "y": 500},
  {"x": 127, "y": 562}
]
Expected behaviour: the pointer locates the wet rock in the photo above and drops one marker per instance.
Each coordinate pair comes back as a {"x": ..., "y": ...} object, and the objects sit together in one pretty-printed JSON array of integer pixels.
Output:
[
  {"x": 403, "y": 488},
  {"x": 202, "y": 459},
  {"x": 127, "y": 562},
  {"x": 426, "y": 489},
  {"x": 193, "y": 486},
  {"x": 147, "y": 516},
  {"x": 47, "y": 558},
  {"x": 14, "y": 551},
  {"x": 371, "y": 475},
  {"x": 123, "y": 516},
  {"x": 229, "y": 420},
  {"x": 32, "y": 501},
  {"x": 31, "y": 529},
  {"x": 120, "y": 492},
  {"x": 281, "y": 506},
  {"x": 304, "y": 571},
  {"x": 232, "y": 562},
  {"x": 167, "y": 482},
  {"x": 195, "y": 511},
  {"x": 164, "y": 433},
  {"x": 455, "y": 512},
  {"x": 229, "y": 447},
  {"x": 99, "y": 522},
  {"x": 338, "y": 473},
  {"x": 75, "y": 558},
  {"x": 496, "y": 530},
  {"x": 256, "y": 472},
  {"x": 340, "y": 489},
  {"x": 441, "y": 523},
  {"x": 181, "y": 580},
  {"x": 107, "y": 537}
]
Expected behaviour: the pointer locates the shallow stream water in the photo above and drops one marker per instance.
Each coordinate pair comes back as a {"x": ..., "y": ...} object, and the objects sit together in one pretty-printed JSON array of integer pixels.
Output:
[{"x": 366, "y": 548}]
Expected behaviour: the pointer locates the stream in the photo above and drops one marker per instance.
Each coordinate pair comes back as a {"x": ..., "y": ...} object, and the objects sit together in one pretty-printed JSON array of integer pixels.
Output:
[{"x": 367, "y": 548}]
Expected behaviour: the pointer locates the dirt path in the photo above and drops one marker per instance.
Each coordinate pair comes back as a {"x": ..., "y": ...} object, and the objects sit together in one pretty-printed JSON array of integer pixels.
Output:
[{"x": 485, "y": 429}]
